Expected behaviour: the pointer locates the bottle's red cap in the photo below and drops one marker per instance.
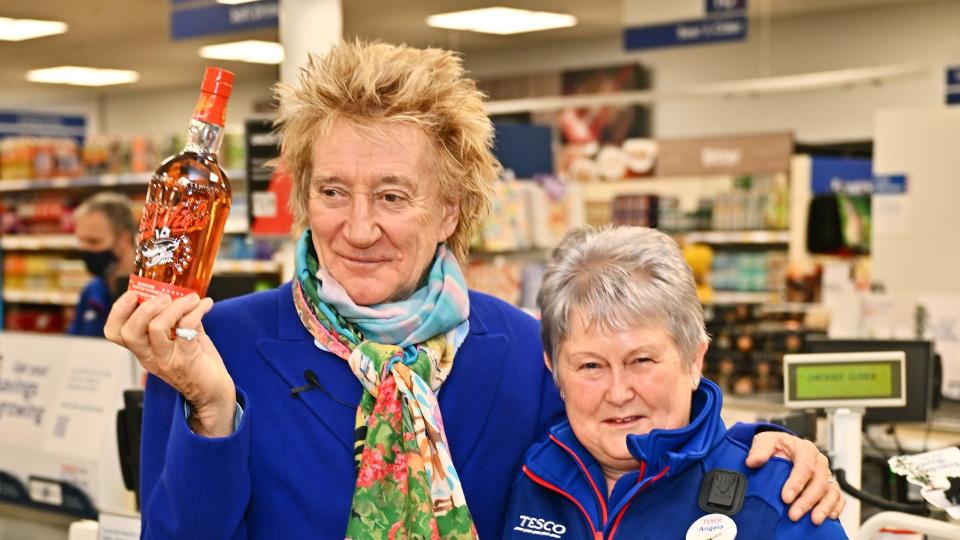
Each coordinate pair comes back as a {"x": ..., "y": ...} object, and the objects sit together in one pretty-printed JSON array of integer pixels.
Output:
[{"x": 217, "y": 81}]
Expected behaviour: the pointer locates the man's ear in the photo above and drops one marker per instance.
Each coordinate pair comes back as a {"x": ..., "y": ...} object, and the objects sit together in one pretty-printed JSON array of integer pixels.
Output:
[
  {"x": 451, "y": 217},
  {"x": 548, "y": 363}
]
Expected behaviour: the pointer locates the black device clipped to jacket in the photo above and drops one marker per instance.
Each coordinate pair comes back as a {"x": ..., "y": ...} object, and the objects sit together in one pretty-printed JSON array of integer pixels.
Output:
[{"x": 722, "y": 492}]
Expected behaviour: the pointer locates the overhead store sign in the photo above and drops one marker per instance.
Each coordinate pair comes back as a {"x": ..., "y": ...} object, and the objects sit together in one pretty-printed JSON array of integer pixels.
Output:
[
  {"x": 953, "y": 85},
  {"x": 41, "y": 124},
  {"x": 651, "y": 24},
  {"x": 190, "y": 19},
  {"x": 746, "y": 154}
]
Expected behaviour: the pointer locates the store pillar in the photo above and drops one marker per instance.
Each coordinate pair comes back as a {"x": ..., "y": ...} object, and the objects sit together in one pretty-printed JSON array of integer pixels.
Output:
[{"x": 307, "y": 26}]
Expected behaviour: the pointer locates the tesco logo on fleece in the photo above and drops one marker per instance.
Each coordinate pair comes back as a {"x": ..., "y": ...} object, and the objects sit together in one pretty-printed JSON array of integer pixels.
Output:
[{"x": 540, "y": 527}]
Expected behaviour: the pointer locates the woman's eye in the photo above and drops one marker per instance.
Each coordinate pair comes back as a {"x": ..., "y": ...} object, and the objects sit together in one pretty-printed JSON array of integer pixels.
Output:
[
  {"x": 642, "y": 360},
  {"x": 590, "y": 365}
]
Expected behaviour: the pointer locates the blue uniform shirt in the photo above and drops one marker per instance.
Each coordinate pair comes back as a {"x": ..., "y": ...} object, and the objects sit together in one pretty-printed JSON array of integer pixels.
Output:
[
  {"x": 91, "y": 312},
  {"x": 562, "y": 494}
]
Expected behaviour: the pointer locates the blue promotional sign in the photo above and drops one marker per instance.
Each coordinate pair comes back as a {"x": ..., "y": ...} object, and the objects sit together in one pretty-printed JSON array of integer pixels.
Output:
[
  {"x": 193, "y": 19},
  {"x": 41, "y": 124},
  {"x": 892, "y": 184},
  {"x": 852, "y": 176},
  {"x": 833, "y": 174}
]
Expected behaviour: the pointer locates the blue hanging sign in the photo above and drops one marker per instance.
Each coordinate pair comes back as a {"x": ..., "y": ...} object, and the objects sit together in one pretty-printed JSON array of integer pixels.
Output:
[
  {"x": 723, "y": 21},
  {"x": 42, "y": 124},
  {"x": 953, "y": 85},
  {"x": 193, "y": 19}
]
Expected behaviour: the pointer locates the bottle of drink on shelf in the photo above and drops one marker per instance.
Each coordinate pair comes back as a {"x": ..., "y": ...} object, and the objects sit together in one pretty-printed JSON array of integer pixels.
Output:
[{"x": 187, "y": 203}]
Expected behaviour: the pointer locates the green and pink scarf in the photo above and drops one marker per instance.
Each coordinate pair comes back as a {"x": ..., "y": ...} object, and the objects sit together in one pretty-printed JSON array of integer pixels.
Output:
[{"x": 407, "y": 486}]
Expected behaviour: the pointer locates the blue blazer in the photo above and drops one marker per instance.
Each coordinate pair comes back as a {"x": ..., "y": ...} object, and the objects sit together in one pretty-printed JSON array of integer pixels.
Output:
[
  {"x": 287, "y": 472},
  {"x": 561, "y": 491}
]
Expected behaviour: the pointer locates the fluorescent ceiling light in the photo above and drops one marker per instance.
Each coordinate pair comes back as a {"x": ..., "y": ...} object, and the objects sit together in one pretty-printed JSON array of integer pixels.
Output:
[
  {"x": 22, "y": 29},
  {"x": 501, "y": 20},
  {"x": 235, "y": 2},
  {"x": 82, "y": 76},
  {"x": 258, "y": 52}
]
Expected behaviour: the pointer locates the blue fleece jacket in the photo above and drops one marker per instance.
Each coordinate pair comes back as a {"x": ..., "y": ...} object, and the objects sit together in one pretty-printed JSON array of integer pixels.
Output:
[{"x": 561, "y": 491}]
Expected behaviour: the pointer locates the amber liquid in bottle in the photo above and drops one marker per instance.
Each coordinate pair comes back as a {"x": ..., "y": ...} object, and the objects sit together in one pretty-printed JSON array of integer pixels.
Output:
[{"x": 186, "y": 208}]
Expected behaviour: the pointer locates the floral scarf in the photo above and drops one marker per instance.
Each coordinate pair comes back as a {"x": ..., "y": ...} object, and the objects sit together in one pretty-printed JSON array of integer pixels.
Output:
[{"x": 407, "y": 486}]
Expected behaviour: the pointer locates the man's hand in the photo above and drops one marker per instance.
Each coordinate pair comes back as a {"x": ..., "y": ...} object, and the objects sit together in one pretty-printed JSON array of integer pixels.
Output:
[
  {"x": 193, "y": 367},
  {"x": 811, "y": 478}
]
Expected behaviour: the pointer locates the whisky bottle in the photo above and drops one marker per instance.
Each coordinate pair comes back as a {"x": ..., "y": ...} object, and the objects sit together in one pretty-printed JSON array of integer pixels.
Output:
[{"x": 188, "y": 199}]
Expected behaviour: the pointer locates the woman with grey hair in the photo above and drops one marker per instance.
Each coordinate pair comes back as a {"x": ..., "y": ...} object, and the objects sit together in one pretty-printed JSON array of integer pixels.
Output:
[{"x": 643, "y": 451}]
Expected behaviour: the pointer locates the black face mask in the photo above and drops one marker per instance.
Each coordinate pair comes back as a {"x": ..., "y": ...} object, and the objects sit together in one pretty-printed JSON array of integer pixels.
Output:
[{"x": 98, "y": 262}]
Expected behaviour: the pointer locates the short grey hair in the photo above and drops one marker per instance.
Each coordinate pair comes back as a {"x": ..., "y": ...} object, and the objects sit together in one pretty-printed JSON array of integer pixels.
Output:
[
  {"x": 115, "y": 207},
  {"x": 617, "y": 277}
]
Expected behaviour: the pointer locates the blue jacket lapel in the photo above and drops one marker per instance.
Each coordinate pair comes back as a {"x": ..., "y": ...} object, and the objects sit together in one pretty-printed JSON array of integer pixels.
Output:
[
  {"x": 478, "y": 365},
  {"x": 292, "y": 358},
  {"x": 293, "y": 353}
]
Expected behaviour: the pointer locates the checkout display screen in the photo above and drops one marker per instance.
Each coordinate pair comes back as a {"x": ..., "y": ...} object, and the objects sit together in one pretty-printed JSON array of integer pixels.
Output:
[{"x": 846, "y": 380}]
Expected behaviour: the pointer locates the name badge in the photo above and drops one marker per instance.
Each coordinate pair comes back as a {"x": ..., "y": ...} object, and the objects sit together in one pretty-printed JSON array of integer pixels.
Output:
[{"x": 713, "y": 527}]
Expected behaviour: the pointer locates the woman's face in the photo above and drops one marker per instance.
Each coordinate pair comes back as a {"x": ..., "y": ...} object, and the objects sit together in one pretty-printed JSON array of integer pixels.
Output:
[
  {"x": 375, "y": 211},
  {"x": 623, "y": 382}
]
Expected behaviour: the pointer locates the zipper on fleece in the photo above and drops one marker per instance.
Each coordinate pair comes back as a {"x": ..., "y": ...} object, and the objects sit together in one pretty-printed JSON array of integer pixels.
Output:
[
  {"x": 583, "y": 468},
  {"x": 639, "y": 489},
  {"x": 597, "y": 535}
]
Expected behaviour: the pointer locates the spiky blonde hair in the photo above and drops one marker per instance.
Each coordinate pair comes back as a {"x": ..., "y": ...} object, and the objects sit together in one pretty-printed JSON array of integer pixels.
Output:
[{"x": 371, "y": 81}]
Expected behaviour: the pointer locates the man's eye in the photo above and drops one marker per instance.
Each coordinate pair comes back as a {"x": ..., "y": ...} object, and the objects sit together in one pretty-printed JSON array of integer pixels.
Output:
[{"x": 393, "y": 198}]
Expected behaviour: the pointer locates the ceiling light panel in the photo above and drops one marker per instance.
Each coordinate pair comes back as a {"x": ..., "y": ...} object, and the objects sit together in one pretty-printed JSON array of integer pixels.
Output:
[
  {"x": 257, "y": 52},
  {"x": 23, "y": 29},
  {"x": 82, "y": 76},
  {"x": 501, "y": 20}
]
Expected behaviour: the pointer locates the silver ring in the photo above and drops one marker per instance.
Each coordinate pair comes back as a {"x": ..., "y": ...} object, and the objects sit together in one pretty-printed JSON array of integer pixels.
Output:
[{"x": 188, "y": 334}]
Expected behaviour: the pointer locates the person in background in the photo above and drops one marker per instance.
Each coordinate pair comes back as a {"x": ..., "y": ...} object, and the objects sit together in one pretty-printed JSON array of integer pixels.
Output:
[
  {"x": 374, "y": 395},
  {"x": 643, "y": 452},
  {"x": 105, "y": 229}
]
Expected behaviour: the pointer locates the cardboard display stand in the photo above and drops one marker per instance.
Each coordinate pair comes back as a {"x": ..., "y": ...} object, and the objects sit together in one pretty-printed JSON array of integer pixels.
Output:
[{"x": 59, "y": 398}]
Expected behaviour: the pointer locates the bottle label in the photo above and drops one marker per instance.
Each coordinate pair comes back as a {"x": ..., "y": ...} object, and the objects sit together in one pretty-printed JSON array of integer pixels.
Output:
[
  {"x": 148, "y": 288},
  {"x": 165, "y": 233},
  {"x": 211, "y": 109}
]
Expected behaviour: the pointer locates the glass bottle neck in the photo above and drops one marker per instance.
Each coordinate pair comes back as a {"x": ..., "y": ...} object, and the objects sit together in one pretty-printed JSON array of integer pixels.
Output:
[{"x": 203, "y": 137}]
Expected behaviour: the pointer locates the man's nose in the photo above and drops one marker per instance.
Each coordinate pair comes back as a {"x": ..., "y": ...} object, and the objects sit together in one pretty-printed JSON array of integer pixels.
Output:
[{"x": 362, "y": 229}]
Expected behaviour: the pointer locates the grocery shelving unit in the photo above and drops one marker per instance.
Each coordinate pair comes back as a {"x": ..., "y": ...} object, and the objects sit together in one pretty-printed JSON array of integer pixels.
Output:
[{"x": 64, "y": 245}]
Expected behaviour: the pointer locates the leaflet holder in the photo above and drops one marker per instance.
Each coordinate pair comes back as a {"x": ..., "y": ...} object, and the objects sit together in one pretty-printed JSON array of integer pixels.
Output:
[{"x": 47, "y": 494}]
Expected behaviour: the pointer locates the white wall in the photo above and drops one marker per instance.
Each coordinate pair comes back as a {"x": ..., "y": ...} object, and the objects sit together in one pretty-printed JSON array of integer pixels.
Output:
[
  {"x": 914, "y": 251},
  {"x": 168, "y": 111},
  {"x": 924, "y": 32}
]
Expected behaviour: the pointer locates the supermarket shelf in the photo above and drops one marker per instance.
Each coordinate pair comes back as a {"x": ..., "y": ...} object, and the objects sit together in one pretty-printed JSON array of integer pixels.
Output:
[
  {"x": 29, "y": 242},
  {"x": 737, "y": 237},
  {"x": 245, "y": 266},
  {"x": 121, "y": 179},
  {"x": 55, "y": 297},
  {"x": 79, "y": 181},
  {"x": 746, "y": 297}
]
